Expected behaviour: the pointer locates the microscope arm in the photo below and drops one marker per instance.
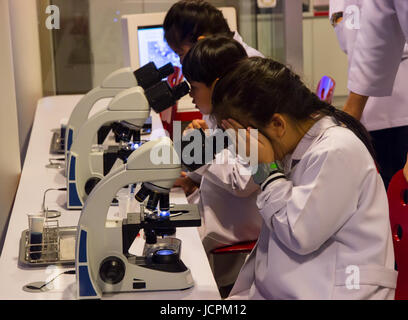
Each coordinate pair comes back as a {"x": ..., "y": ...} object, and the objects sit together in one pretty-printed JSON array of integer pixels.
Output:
[
  {"x": 116, "y": 82},
  {"x": 93, "y": 242},
  {"x": 130, "y": 104},
  {"x": 79, "y": 163}
]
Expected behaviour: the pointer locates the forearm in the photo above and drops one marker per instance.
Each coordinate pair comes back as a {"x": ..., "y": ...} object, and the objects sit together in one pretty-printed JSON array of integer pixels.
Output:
[{"x": 355, "y": 105}]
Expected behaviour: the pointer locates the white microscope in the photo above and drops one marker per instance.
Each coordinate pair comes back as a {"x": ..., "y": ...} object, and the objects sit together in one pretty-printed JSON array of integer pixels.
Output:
[
  {"x": 116, "y": 82},
  {"x": 102, "y": 259},
  {"x": 131, "y": 106}
]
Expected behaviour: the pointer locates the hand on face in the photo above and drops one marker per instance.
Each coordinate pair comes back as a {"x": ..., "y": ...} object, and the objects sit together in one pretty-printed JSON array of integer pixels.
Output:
[
  {"x": 247, "y": 139},
  {"x": 197, "y": 124}
]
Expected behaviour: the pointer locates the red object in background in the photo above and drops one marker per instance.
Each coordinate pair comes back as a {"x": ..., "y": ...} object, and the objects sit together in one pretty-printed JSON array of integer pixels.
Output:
[
  {"x": 321, "y": 13},
  {"x": 172, "y": 114},
  {"x": 397, "y": 198},
  {"x": 242, "y": 247}
]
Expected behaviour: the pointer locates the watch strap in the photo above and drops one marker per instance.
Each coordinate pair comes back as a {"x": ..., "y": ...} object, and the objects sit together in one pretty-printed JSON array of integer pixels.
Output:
[
  {"x": 275, "y": 175},
  {"x": 335, "y": 17}
]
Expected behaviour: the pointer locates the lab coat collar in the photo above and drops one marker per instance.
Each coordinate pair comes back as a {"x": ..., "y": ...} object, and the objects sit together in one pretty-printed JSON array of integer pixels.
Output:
[
  {"x": 311, "y": 136},
  {"x": 238, "y": 37}
]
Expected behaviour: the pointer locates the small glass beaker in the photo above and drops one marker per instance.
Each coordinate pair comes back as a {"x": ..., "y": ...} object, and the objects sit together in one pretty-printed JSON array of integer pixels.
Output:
[{"x": 36, "y": 229}]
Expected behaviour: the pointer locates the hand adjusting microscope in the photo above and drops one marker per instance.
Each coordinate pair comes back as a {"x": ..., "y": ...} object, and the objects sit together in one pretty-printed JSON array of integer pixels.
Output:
[
  {"x": 145, "y": 77},
  {"x": 102, "y": 259},
  {"x": 84, "y": 165}
]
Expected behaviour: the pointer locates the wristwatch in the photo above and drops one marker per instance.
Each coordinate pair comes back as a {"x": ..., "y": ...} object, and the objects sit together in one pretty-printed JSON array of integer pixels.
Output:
[
  {"x": 265, "y": 170},
  {"x": 334, "y": 19}
]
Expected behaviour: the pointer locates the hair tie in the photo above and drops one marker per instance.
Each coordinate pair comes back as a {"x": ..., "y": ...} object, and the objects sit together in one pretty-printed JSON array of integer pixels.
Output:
[
  {"x": 332, "y": 110},
  {"x": 200, "y": 38},
  {"x": 214, "y": 83}
]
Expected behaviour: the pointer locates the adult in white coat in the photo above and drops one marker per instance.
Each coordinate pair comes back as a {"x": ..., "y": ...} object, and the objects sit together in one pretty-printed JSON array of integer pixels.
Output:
[
  {"x": 326, "y": 231},
  {"x": 386, "y": 118},
  {"x": 377, "y": 52},
  {"x": 226, "y": 197}
]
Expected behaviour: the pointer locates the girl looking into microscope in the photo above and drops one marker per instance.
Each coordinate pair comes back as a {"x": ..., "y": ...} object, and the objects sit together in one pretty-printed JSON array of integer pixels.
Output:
[
  {"x": 325, "y": 231},
  {"x": 226, "y": 197}
]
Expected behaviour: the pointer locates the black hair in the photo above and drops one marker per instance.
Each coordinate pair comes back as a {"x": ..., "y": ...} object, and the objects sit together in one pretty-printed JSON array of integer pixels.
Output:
[
  {"x": 211, "y": 57},
  {"x": 258, "y": 88},
  {"x": 189, "y": 19}
]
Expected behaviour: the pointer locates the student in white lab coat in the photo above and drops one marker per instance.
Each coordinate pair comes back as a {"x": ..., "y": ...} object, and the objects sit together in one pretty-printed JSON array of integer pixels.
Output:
[
  {"x": 326, "y": 231},
  {"x": 188, "y": 20},
  {"x": 227, "y": 198},
  {"x": 386, "y": 118}
]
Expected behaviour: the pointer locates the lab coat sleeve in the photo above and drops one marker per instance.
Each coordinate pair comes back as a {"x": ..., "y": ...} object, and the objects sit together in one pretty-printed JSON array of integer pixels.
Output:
[
  {"x": 379, "y": 47},
  {"x": 197, "y": 175},
  {"x": 232, "y": 174},
  {"x": 305, "y": 216},
  {"x": 335, "y": 6}
]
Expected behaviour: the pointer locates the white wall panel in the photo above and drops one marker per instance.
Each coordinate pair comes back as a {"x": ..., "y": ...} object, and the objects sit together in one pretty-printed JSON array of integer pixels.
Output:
[
  {"x": 27, "y": 64},
  {"x": 9, "y": 143}
]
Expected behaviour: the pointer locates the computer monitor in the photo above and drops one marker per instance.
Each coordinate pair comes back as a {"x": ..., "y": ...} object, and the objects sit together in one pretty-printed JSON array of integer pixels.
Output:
[
  {"x": 153, "y": 47},
  {"x": 151, "y": 24},
  {"x": 143, "y": 41}
]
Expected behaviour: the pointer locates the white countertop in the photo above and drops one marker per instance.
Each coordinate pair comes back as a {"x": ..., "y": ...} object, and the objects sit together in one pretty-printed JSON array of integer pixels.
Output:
[{"x": 35, "y": 179}]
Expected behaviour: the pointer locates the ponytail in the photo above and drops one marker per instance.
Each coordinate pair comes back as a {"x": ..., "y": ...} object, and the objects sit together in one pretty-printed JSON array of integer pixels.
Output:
[{"x": 352, "y": 124}]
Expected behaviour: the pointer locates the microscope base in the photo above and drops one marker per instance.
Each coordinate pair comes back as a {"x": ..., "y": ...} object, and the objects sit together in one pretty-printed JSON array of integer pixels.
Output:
[{"x": 160, "y": 268}]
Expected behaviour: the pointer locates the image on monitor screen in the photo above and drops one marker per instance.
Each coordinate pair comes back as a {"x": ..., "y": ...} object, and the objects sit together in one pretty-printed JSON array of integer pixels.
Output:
[{"x": 153, "y": 47}]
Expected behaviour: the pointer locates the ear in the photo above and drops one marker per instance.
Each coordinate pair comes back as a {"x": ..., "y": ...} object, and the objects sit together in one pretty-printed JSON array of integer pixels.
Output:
[{"x": 278, "y": 125}]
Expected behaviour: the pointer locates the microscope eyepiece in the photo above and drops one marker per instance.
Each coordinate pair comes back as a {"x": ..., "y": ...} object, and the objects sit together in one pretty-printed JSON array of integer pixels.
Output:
[
  {"x": 166, "y": 70},
  {"x": 149, "y": 75},
  {"x": 162, "y": 97},
  {"x": 181, "y": 90}
]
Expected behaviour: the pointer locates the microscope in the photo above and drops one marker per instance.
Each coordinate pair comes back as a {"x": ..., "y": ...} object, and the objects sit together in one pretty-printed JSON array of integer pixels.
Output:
[
  {"x": 102, "y": 259},
  {"x": 145, "y": 77},
  {"x": 85, "y": 165}
]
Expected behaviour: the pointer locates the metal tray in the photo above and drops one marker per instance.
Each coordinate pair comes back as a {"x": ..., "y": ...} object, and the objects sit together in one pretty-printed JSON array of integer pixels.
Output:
[
  {"x": 64, "y": 255},
  {"x": 56, "y": 144}
]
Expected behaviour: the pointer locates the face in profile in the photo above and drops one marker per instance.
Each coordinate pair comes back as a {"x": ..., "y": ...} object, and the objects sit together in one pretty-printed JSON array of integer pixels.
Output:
[
  {"x": 182, "y": 50},
  {"x": 201, "y": 95}
]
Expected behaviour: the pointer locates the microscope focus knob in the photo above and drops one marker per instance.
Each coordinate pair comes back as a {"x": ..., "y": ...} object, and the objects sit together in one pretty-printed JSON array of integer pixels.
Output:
[
  {"x": 112, "y": 270},
  {"x": 90, "y": 184}
]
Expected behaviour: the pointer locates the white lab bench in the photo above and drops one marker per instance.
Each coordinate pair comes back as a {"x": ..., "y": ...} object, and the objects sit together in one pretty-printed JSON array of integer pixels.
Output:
[{"x": 35, "y": 179}]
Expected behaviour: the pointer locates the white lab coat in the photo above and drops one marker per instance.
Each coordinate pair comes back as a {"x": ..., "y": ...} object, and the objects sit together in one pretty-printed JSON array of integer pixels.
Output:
[
  {"x": 251, "y": 52},
  {"x": 379, "y": 47},
  {"x": 324, "y": 223},
  {"x": 380, "y": 112},
  {"x": 227, "y": 203}
]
